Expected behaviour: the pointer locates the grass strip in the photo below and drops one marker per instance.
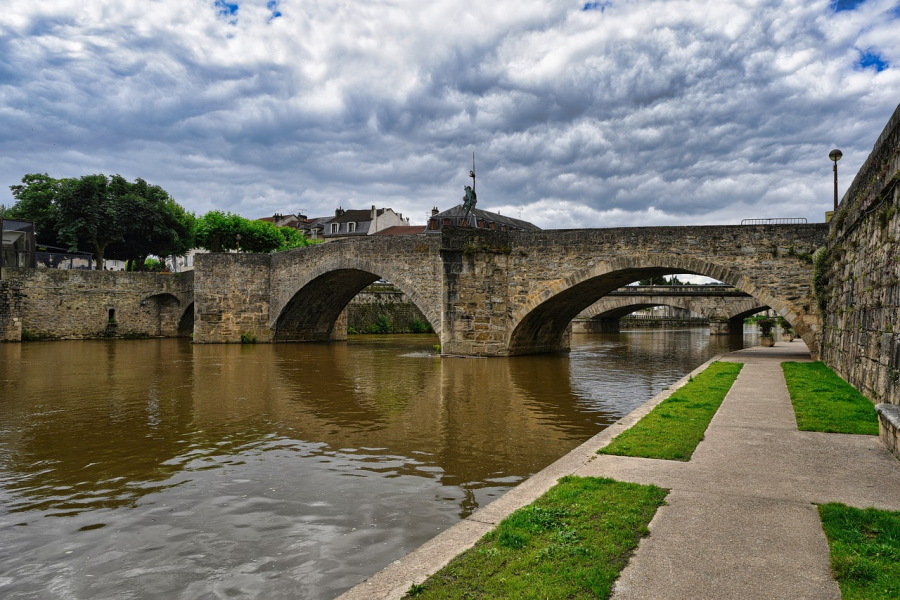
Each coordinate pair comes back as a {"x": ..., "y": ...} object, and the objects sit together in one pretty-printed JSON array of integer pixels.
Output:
[
  {"x": 865, "y": 550},
  {"x": 672, "y": 430},
  {"x": 572, "y": 542},
  {"x": 824, "y": 402}
]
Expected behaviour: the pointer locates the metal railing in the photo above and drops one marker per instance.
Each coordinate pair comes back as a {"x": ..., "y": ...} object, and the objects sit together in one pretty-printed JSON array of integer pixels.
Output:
[
  {"x": 779, "y": 221},
  {"x": 64, "y": 260}
]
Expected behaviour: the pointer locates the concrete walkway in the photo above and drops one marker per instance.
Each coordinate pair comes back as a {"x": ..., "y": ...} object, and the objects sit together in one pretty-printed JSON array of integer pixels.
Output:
[{"x": 740, "y": 522}]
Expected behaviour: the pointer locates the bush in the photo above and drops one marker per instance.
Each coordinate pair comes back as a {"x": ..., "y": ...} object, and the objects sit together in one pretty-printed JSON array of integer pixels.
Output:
[
  {"x": 381, "y": 325},
  {"x": 418, "y": 326}
]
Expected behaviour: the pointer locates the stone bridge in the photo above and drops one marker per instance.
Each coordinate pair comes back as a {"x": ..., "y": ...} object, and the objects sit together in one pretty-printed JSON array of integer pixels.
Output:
[
  {"x": 724, "y": 306},
  {"x": 498, "y": 293}
]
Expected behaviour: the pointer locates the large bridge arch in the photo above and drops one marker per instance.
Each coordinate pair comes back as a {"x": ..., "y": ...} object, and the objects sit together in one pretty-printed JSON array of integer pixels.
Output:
[
  {"x": 312, "y": 286},
  {"x": 323, "y": 293},
  {"x": 540, "y": 324}
]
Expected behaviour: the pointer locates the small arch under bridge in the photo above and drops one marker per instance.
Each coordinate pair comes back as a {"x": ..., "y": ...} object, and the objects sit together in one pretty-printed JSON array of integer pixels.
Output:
[{"x": 498, "y": 293}]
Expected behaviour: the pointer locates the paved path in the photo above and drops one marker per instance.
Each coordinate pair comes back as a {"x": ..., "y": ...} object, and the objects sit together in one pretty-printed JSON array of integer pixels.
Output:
[{"x": 740, "y": 520}]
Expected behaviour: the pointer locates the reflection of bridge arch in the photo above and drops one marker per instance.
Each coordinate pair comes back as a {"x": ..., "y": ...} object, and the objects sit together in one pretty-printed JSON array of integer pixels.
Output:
[
  {"x": 540, "y": 324},
  {"x": 313, "y": 292}
]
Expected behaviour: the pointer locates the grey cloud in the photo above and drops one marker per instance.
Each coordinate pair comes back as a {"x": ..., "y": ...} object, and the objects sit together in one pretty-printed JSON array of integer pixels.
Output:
[{"x": 689, "y": 117}]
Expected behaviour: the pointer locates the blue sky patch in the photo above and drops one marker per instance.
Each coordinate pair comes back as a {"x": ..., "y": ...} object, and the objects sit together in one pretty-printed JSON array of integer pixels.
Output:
[
  {"x": 601, "y": 6},
  {"x": 227, "y": 10},
  {"x": 870, "y": 58},
  {"x": 273, "y": 6},
  {"x": 839, "y": 5}
]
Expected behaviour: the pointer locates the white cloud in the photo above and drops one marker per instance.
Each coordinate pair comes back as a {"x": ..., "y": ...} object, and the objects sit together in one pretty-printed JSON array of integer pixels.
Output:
[{"x": 645, "y": 112}]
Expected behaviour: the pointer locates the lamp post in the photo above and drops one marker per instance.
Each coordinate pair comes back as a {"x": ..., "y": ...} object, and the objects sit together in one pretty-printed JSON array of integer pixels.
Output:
[{"x": 835, "y": 155}]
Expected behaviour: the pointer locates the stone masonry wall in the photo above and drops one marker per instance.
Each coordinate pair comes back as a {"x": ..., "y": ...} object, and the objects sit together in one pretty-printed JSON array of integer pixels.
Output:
[
  {"x": 858, "y": 276},
  {"x": 10, "y": 312},
  {"x": 232, "y": 298},
  {"x": 365, "y": 309},
  {"x": 75, "y": 304}
]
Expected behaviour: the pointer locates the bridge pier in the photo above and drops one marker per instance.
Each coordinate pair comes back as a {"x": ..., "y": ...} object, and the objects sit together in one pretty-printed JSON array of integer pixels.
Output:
[
  {"x": 602, "y": 326},
  {"x": 721, "y": 326}
]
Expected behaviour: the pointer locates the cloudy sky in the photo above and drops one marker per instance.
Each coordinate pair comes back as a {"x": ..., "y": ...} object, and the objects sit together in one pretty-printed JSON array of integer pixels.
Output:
[{"x": 610, "y": 113}]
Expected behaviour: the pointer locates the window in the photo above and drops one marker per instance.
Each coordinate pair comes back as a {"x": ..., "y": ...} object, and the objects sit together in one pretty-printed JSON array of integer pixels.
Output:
[
  {"x": 335, "y": 227},
  {"x": 432, "y": 224},
  {"x": 446, "y": 221},
  {"x": 351, "y": 227}
]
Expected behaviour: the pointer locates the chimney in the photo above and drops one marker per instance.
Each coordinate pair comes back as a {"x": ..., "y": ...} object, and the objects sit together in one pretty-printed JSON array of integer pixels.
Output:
[{"x": 434, "y": 211}]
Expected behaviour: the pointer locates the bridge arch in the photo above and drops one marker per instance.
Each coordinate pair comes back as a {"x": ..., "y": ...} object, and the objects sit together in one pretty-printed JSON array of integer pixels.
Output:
[
  {"x": 611, "y": 307},
  {"x": 541, "y": 322},
  {"x": 315, "y": 299}
]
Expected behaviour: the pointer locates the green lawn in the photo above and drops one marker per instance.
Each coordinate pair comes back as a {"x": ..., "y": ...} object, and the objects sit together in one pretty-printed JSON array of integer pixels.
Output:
[
  {"x": 825, "y": 402},
  {"x": 572, "y": 542},
  {"x": 673, "y": 429},
  {"x": 865, "y": 551}
]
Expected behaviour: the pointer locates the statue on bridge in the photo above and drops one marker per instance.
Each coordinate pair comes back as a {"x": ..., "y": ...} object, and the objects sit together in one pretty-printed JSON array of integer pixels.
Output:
[{"x": 470, "y": 198}]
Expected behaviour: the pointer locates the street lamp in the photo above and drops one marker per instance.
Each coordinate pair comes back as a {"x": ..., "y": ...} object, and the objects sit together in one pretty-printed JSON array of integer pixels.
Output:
[{"x": 835, "y": 155}]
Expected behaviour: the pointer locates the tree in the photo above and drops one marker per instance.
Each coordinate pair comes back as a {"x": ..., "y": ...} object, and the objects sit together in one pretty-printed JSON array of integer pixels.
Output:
[
  {"x": 91, "y": 212},
  {"x": 36, "y": 200},
  {"x": 153, "y": 224},
  {"x": 107, "y": 216},
  {"x": 661, "y": 280},
  {"x": 294, "y": 238},
  {"x": 218, "y": 231}
]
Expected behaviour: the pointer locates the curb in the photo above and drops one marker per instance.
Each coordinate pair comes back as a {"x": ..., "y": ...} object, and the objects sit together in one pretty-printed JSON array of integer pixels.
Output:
[{"x": 394, "y": 581}]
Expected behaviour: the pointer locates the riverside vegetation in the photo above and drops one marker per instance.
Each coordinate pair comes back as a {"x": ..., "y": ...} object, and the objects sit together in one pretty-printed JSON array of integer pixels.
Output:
[
  {"x": 572, "y": 542},
  {"x": 826, "y": 403},
  {"x": 672, "y": 430},
  {"x": 865, "y": 550}
]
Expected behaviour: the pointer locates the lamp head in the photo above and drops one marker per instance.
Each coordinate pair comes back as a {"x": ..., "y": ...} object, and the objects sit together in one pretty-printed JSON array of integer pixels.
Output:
[{"x": 835, "y": 155}]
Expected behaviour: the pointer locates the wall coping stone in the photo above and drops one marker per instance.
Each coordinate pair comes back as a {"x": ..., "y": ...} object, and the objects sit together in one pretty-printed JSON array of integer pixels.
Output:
[{"x": 889, "y": 426}]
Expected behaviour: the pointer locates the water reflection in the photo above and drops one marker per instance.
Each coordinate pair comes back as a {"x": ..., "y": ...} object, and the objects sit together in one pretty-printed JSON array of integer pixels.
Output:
[{"x": 300, "y": 469}]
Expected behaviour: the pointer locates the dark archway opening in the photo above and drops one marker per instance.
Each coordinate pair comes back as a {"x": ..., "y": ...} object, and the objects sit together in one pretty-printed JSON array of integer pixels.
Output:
[
  {"x": 186, "y": 322},
  {"x": 545, "y": 328}
]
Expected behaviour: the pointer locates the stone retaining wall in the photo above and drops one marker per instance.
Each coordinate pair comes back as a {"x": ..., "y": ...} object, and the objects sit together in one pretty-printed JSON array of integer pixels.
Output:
[
  {"x": 365, "y": 309},
  {"x": 858, "y": 276},
  {"x": 75, "y": 304}
]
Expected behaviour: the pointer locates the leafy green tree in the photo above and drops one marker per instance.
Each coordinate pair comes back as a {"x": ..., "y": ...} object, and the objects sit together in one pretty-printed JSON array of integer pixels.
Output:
[
  {"x": 294, "y": 238},
  {"x": 108, "y": 216},
  {"x": 217, "y": 231},
  {"x": 153, "y": 224},
  {"x": 91, "y": 213},
  {"x": 260, "y": 237},
  {"x": 36, "y": 200}
]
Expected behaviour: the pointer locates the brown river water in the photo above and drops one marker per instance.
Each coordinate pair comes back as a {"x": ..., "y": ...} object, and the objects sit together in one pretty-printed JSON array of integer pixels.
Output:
[{"x": 161, "y": 469}]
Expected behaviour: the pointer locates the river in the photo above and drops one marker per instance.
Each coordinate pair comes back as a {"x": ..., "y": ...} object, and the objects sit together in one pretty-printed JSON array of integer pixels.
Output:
[{"x": 157, "y": 468}]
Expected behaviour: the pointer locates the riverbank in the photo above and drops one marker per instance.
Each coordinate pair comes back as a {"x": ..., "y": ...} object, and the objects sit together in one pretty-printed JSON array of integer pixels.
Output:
[{"x": 740, "y": 520}]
